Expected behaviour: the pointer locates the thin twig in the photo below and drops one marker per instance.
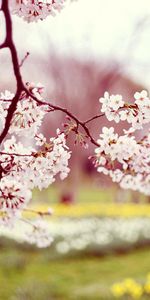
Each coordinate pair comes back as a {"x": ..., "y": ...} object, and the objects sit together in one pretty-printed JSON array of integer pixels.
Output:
[
  {"x": 93, "y": 118},
  {"x": 23, "y": 60}
]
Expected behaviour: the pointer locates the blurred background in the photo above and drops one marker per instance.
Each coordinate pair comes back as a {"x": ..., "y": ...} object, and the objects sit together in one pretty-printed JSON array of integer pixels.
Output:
[{"x": 101, "y": 233}]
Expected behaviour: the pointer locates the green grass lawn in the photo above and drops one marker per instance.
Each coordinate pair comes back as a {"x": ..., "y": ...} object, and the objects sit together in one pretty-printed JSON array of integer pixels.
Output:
[{"x": 30, "y": 274}]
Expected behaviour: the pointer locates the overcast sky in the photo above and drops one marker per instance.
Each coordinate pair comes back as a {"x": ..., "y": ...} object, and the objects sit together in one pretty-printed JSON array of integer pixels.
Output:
[{"x": 101, "y": 28}]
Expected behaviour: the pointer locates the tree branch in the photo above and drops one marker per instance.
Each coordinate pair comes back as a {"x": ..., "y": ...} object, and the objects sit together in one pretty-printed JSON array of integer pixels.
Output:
[{"x": 8, "y": 43}]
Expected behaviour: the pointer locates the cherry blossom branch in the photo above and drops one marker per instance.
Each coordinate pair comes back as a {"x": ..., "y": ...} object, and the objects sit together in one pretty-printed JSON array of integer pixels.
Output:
[
  {"x": 8, "y": 43},
  {"x": 125, "y": 159}
]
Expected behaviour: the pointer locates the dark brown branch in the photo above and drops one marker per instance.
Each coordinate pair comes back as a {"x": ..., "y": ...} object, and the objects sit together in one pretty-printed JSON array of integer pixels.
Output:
[
  {"x": 64, "y": 110},
  {"x": 10, "y": 113},
  {"x": 8, "y": 43},
  {"x": 3, "y": 45}
]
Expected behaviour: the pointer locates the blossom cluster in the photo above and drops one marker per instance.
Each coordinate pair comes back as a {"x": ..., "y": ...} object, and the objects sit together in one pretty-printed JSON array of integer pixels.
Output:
[
  {"x": 124, "y": 158},
  {"x": 28, "y": 115},
  {"x": 22, "y": 167},
  {"x": 137, "y": 114},
  {"x": 34, "y": 10}
]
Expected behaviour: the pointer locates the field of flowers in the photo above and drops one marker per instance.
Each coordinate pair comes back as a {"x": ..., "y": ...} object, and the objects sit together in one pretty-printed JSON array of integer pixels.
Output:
[
  {"x": 92, "y": 228},
  {"x": 98, "y": 227},
  {"x": 100, "y": 252}
]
